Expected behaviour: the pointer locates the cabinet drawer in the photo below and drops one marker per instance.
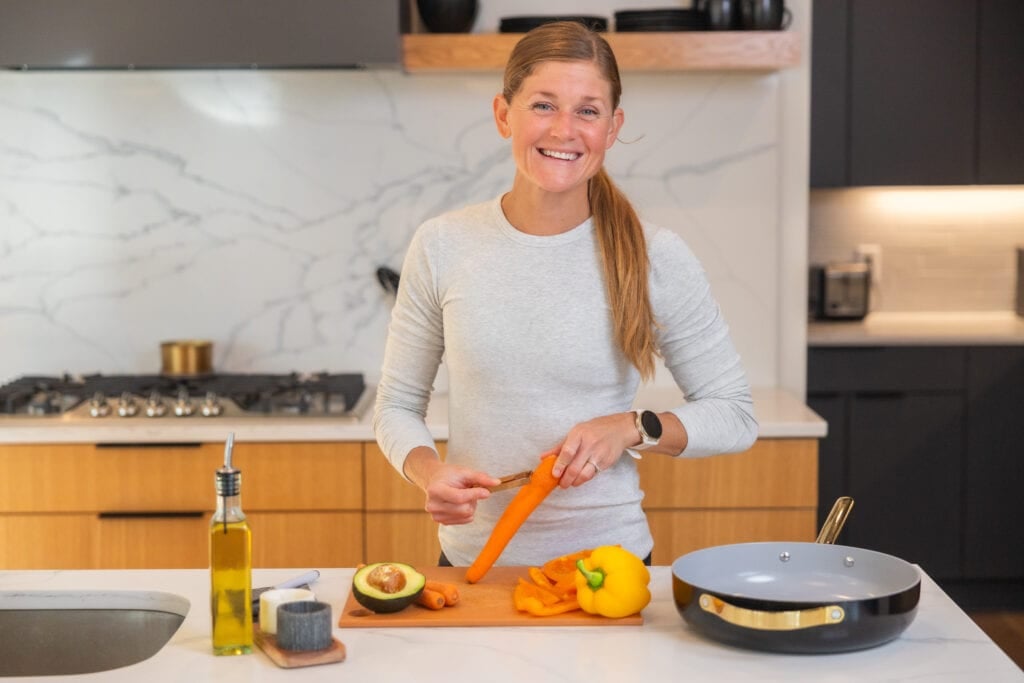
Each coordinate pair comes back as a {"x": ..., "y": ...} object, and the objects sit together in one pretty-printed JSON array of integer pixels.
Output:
[
  {"x": 158, "y": 477},
  {"x": 47, "y": 478},
  {"x": 312, "y": 540},
  {"x": 298, "y": 476},
  {"x": 141, "y": 542},
  {"x": 275, "y": 476},
  {"x": 881, "y": 369},
  {"x": 48, "y": 541},
  {"x": 773, "y": 473}
]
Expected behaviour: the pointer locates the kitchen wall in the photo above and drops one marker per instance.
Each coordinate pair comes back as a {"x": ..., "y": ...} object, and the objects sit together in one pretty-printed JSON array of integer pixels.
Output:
[
  {"x": 253, "y": 207},
  {"x": 944, "y": 249}
]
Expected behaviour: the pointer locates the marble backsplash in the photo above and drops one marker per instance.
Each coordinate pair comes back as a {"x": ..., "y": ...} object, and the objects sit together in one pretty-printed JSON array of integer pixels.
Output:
[{"x": 252, "y": 208}]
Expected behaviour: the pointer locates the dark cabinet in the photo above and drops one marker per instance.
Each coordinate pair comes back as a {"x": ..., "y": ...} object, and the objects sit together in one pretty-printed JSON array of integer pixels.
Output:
[
  {"x": 1000, "y": 91},
  {"x": 896, "y": 431},
  {"x": 994, "y": 542},
  {"x": 916, "y": 92},
  {"x": 929, "y": 442}
]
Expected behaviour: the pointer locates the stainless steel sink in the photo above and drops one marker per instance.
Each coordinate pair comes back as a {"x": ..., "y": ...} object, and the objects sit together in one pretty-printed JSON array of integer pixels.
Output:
[{"x": 46, "y": 633}]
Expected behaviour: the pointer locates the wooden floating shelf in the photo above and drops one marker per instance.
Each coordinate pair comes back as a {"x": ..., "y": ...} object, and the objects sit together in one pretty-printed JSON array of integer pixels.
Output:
[{"x": 642, "y": 51}]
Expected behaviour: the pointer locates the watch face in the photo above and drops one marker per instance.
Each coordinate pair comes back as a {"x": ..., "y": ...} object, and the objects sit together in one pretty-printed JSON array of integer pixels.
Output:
[{"x": 651, "y": 423}]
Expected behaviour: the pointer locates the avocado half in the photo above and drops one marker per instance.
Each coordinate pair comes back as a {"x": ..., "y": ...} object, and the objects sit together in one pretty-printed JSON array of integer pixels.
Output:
[{"x": 385, "y": 587}]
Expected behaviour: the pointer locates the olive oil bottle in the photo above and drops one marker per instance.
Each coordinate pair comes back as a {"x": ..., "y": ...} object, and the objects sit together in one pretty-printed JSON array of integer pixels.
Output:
[{"x": 230, "y": 564}]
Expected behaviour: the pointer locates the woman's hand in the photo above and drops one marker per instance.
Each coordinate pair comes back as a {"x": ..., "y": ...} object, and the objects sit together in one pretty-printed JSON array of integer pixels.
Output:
[
  {"x": 593, "y": 446},
  {"x": 452, "y": 491}
]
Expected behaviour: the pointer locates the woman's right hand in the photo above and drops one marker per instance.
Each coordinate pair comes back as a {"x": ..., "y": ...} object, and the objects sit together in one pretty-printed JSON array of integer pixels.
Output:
[{"x": 452, "y": 491}]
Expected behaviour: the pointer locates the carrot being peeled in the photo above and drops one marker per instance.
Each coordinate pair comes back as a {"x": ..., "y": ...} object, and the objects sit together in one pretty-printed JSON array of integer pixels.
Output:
[{"x": 532, "y": 494}]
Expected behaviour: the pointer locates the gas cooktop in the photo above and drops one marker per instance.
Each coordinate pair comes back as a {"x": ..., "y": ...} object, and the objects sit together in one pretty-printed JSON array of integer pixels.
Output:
[{"x": 206, "y": 396}]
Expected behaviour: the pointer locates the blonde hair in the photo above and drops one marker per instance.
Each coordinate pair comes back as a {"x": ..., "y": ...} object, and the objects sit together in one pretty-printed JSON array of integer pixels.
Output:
[{"x": 620, "y": 235}]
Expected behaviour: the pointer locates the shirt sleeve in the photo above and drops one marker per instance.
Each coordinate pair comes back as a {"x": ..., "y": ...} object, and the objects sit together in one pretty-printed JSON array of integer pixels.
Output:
[
  {"x": 697, "y": 349},
  {"x": 412, "y": 355}
]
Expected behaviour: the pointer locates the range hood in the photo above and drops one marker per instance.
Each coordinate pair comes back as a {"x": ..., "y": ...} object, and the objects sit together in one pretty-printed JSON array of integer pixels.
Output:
[{"x": 169, "y": 34}]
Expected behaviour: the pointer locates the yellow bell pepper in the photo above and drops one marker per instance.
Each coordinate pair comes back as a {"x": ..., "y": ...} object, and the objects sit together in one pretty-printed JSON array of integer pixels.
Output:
[{"x": 612, "y": 582}]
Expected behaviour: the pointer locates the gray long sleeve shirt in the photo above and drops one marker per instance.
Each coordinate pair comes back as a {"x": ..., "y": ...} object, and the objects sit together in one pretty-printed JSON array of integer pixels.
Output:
[{"x": 524, "y": 326}]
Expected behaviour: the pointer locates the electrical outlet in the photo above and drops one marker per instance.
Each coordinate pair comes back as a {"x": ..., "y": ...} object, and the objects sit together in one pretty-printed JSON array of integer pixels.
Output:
[{"x": 872, "y": 255}]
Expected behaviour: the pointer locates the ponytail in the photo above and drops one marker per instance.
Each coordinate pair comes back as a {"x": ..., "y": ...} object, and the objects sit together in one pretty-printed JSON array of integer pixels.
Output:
[{"x": 620, "y": 237}]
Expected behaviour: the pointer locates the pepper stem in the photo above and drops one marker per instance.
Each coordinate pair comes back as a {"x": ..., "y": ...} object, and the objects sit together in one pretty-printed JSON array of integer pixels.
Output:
[{"x": 595, "y": 577}]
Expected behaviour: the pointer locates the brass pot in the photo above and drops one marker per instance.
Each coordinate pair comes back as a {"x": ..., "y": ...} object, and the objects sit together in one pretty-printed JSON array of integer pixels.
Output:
[{"x": 186, "y": 357}]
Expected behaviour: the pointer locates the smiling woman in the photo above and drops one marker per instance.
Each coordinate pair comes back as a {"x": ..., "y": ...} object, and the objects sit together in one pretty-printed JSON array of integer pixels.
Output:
[
  {"x": 561, "y": 121},
  {"x": 549, "y": 304}
]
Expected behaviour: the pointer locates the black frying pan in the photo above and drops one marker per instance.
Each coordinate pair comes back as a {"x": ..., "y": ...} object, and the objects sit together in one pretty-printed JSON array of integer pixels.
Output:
[{"x": 796, "y": 597}]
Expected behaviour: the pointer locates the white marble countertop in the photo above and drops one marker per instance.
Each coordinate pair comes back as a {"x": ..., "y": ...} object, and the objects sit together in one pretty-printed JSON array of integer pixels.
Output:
[
  {"x": 977, "y": 328},
  {"x": 780, "y": 414},
  {"x": 942, "y": 644}
]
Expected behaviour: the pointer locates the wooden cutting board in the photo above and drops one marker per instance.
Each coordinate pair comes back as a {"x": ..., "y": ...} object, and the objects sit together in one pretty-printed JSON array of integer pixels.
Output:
[{"x": 486, "y": 603}]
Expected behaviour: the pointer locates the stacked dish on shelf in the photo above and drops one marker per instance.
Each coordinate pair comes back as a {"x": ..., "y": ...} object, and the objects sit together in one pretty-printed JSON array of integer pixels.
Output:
[
  {"x": 522, "y": 24},
  {"x": 625, "y": 21},
  {"x": 661, "y": 20}
]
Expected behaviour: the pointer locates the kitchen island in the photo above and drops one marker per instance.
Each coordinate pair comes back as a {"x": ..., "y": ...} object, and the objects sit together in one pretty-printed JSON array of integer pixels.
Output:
[{"x": 942, "y": 644}]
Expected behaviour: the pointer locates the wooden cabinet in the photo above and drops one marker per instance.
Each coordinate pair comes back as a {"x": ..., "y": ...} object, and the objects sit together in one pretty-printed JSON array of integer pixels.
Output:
[
  {"x": 47, "y": 541},
  {"x": 916, "y": 92},
  {"x": 141, "y": 505},
  {"x": 767, "y": 493},
  {"x": 338, "y": 504},
  {"x": 396, "y": 524}
]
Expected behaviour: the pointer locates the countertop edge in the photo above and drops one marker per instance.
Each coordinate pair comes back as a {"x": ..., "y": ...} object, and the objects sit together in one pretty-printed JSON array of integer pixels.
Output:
[
  {"x": 969, "y": 328},
  {"x": 780, "y": 413}
]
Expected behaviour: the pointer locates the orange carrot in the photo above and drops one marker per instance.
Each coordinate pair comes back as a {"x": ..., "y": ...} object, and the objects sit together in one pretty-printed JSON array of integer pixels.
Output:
[
  {"x": 449, "y": 590},
  {"x": 532, "y": 494},
  {"x": 430, "y": 599}
]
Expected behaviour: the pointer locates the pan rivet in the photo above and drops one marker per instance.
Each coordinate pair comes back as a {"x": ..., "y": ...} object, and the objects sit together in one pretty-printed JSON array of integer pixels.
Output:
[
  {"x": 848, "y": 561},
  {"x": 784, "y": 556},
  {"x": 704, "y": 601}
]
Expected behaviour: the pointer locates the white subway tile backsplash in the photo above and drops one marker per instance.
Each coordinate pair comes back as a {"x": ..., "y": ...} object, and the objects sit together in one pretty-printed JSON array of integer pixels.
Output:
[{"x": 945, "y": 248}]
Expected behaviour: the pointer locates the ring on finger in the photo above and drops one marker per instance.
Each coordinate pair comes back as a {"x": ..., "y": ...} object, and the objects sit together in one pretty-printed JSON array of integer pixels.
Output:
[{"x": 596, "y": 468}]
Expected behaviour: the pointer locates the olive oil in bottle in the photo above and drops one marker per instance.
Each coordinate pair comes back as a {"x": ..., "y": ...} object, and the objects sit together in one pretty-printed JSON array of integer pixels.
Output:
[{"x": 230, "y": 564}]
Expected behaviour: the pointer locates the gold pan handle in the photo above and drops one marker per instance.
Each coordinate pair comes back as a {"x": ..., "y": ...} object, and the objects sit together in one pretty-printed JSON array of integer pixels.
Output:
[
  {"x": 835, "y": 520},
  {"x": 790, "y": 620}
]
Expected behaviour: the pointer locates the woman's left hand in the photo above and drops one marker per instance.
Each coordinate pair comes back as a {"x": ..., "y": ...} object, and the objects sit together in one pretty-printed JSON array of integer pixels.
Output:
[{"x": 592, "y": 447}]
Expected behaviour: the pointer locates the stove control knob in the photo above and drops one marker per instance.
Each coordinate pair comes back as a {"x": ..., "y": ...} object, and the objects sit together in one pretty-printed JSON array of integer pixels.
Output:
[
  {"x": 183, "y": 406},
  {"x": 98, "y": 406},
  {"x": 155, "y": 406},
  {"x": 126, "y": 406},
  {"x": 211, "y": 405}
]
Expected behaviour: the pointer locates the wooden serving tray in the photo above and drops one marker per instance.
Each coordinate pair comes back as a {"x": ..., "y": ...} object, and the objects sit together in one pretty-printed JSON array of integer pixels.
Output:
[
  {"x": 486, "y": 603},
  {"x": 286, "y": 659}
]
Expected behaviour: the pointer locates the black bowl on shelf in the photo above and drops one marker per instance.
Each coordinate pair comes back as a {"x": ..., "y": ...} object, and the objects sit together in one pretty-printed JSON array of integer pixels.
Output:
[
  {"x": 524, "y": 23},
  {"x": 447, "y": 16}
]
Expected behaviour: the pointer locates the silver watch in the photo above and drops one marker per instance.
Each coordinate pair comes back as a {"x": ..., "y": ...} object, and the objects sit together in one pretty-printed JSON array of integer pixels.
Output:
[{"x": 649, "y": 426}]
